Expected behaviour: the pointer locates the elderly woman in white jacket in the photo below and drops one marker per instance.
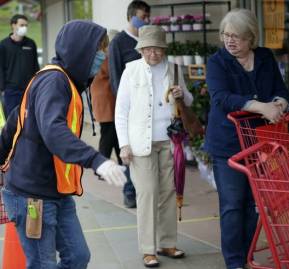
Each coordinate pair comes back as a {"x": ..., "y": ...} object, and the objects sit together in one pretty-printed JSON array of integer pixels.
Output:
[{"x": 142, "y": 116}]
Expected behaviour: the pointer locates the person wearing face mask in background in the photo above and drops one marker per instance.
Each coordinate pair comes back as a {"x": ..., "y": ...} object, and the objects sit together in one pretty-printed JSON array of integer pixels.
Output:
[
  {"x": 103, "y": 105},
  {"x": 121, "y": 51},
  {"x": 51, "y": 114},
  {"x": 18, "y": 62}
]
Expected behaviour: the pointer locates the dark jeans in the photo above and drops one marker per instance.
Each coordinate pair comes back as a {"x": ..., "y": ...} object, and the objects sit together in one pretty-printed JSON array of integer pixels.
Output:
[
  {"x": 61, "y": 231},
  {"x": 12, "y": 98},
  {"x": 108, "y": 141},
  {"x": 237, "y": 213}
]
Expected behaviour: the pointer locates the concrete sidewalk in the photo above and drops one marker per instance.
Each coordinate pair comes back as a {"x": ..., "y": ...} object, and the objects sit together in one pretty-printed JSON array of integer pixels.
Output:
[{"x": 110, "y": 229}]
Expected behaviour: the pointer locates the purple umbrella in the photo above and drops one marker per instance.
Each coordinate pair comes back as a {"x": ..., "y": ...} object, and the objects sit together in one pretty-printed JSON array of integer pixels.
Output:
[{"x": 177, "y": 134}]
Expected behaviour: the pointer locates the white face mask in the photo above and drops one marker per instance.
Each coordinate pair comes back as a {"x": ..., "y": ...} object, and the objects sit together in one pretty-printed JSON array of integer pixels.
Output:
[{"x": 21, "y": 31}]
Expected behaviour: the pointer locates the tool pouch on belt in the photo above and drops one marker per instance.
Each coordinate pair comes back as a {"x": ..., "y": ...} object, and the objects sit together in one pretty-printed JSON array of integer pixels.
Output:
[{"x": 34, "y": 218}]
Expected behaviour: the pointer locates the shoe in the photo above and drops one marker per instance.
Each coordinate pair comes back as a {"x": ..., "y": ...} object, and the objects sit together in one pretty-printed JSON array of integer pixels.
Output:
[
  {"x": 129, "y": 203},
  {"x": 171, "y": 253},
  {"x": 150, "y": 261}
]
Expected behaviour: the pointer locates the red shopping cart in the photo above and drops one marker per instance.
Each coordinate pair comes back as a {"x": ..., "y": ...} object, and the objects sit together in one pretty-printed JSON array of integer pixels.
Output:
[
  {"x": 268, "y": 173},
  {"x": 3, "y": 216},
  {"x": 252, "y": 128}
]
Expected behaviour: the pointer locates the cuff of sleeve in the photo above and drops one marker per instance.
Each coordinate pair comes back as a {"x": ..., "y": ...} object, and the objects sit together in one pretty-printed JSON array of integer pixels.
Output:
[
  {"x": 247, "y": 104},
  {"x": 97, "y": 161},
  {"x": 123, "y": 142}
]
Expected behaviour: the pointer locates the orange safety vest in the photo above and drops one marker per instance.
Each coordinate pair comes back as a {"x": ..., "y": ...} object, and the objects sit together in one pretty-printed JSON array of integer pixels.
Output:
[{"x": 68, "y": 175}]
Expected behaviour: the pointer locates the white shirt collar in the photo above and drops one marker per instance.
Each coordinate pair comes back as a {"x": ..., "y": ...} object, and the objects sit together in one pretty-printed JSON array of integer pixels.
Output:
[{"x": 131, "y": 35}]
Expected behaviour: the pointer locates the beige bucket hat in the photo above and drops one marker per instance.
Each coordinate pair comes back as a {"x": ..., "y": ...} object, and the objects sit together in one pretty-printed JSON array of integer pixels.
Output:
[{"x": 151, "y": 36}]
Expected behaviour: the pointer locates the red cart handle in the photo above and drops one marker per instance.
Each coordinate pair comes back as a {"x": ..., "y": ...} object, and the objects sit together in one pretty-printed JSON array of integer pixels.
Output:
[
  {"x": 235, "y": 159},
  {"x": 234, "y": 116}
]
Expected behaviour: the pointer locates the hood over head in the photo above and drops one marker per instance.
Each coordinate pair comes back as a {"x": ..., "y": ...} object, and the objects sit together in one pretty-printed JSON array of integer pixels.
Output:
[{"x": 76, "y": 45}]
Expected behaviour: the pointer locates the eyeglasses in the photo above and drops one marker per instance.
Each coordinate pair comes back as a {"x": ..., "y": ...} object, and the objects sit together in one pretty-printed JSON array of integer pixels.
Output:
[
  {"x": 156, "y": 51},
  {"x": 234, "y": 37}
]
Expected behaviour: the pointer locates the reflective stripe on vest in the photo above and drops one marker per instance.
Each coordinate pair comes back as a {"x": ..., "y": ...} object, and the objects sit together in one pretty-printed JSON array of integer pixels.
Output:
[{"x": 68, "y": 175}]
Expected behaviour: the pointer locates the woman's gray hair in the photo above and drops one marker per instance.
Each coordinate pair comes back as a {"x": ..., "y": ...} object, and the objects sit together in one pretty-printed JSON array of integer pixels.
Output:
[{"x": 244, "y": 22}]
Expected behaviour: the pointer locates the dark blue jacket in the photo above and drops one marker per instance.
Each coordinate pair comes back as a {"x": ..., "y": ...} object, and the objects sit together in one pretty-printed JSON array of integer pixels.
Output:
[
  {"x": 45, "y": 132},
  {"x": 121, "y": 51},
  {"x": 230, "y": 87}
]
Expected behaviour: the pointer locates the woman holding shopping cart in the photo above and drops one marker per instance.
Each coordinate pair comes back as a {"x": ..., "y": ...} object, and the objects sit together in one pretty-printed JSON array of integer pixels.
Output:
[{"x": 240, "y": 76}]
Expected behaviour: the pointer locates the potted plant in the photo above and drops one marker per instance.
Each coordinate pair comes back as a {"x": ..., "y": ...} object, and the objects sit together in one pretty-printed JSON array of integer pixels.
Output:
[
  {"x": 171, "y": 52},
  {"x": 165, "y": 23},
  {"x": 211, "y": 49},
  {"x": 175, "y": 23},
  {"x": 187, "y": 21},
  {"x": 200, "y": 106},
  {"x": 199, "y": 52},
  {"x": 188, "y": 53},
  {"x": 156, "y": 20},
  {"x": 179, "y": 51},
  {"x": 208, "y": 24},
  {"x": 198, "y": 22}
]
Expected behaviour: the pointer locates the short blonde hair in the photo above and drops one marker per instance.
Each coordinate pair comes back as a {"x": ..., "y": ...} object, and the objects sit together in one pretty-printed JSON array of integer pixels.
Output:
[{"x": 244, "y": 22}]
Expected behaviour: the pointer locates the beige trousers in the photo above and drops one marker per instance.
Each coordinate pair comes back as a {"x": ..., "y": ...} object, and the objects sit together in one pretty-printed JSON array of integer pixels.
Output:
[{"x": 153, "y": 178}]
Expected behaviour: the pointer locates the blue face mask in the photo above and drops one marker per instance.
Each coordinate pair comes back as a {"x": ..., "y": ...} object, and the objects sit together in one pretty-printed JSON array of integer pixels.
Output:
[
  {"x": 97, "y": 62},
  {"x": 137, "y": 22}
]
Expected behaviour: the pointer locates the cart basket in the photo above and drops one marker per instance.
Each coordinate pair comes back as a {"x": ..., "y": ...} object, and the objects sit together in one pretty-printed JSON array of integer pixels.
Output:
[
  {"x": 252, "y": 128},
  {"x": 268, "y": 174}
]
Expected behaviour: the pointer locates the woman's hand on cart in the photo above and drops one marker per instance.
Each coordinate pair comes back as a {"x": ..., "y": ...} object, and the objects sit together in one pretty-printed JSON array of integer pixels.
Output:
[
  {"x": 281, "y": 102},
  {"x": 271, "y": 111}
]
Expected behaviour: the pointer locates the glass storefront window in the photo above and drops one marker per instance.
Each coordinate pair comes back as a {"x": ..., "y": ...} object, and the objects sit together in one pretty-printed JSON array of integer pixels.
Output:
[
  {"x": 273, "y": 20},
  {"x": 80, "y": 9}
]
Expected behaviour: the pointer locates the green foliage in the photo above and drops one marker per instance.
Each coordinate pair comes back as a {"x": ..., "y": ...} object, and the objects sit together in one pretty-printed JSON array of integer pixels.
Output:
[
  {"x": 82, "y": 9},
  {"x": 200, "y": 106},
  {"x": 201, "y": 103},
  {"x": 190, "y": 48},
  {"x": 211, "y": 49},
  {"x": 34, "y": 27},
  {"x": 201, "y": 50},
  {"x": 175, "y": 48},
  {"x": 198, "y": 141}
]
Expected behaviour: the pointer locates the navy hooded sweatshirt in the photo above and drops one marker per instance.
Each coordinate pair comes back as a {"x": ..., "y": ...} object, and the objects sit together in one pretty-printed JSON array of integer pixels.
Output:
[{"x": 45, "y": 132}]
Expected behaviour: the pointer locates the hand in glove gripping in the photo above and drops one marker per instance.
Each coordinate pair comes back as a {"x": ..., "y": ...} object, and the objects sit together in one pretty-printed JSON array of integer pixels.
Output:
[{"x": 112, "y": 173}]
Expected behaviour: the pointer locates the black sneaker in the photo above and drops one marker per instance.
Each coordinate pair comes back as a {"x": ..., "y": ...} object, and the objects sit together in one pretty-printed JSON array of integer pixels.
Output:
[{"x": 129, "y": 203}]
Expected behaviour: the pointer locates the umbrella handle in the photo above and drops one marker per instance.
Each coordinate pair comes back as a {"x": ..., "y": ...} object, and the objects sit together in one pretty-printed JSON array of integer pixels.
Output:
[
  {"x": 179, "y": 205},
  {"x": 180, "y": 214}
]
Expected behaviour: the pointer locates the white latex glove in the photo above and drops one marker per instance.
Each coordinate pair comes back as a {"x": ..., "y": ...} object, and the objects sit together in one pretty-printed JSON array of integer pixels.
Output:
[
  {"x": 126, "y": 154},
  {"x": 112, "y": 173}
]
